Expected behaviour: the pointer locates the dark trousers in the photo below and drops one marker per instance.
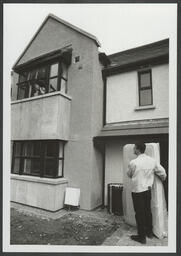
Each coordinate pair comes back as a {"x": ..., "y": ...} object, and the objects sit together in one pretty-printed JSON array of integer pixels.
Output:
[{"x": 142, "y": 207}]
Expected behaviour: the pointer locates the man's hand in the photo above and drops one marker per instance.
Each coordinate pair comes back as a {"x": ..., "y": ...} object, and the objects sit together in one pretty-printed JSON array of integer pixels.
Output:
[
  {"x": 161, "y": 177},
  {"x": 160, "y": 172}
]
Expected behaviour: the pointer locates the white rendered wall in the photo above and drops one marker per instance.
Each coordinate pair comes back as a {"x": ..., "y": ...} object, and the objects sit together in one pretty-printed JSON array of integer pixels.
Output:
[
  {"x": 113, "y": 165},
  {"x": 42, "y": 117},
  {"x": 77, "y": 121},
  {"x": 122, "y": 96},
  {"x": 47, "y": 194}
]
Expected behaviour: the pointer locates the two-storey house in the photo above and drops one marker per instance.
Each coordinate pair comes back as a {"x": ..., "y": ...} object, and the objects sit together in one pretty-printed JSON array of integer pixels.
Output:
[
  {"x": 136, "y": 106},
  {"x": 74, "y": 109}
]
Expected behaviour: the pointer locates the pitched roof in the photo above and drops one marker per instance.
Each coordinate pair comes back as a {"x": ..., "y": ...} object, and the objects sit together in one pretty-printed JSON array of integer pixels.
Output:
[
  {"x": 81, "y": 31},
  {"x": 141, "y": 53}
]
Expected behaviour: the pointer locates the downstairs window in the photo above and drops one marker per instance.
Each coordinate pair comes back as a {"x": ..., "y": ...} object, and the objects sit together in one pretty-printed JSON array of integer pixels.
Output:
[{"x": 38, "y": 158}]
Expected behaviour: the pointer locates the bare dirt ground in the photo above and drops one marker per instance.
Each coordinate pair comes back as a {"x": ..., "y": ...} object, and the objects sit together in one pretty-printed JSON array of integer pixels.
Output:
[
  {"x": 70, "y": 229},
  {"x": 31, "y": 226}
]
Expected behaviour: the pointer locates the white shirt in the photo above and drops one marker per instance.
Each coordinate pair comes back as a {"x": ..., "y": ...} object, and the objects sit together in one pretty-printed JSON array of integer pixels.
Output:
[{"x": 141, "y": 171}]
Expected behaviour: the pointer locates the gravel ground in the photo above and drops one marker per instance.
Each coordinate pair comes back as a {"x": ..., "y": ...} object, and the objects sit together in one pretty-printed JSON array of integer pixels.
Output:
[{"x": 35, "y": 226}]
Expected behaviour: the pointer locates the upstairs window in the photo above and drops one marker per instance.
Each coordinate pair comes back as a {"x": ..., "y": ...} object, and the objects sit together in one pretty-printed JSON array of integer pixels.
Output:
[
  {"x": 38, "y": 158},
  {"x": 44, "y": 79},
  {"x": 145, "y": 88}
]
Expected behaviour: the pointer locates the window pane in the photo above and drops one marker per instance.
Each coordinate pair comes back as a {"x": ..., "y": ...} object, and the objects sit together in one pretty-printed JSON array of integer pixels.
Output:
[
  {"x": 30, "y": 158},
  {"x": 32, "y": 166},
  {"x": 23, "y": 77},
  {"x": 32, "y": 74},
  {"x": 23, "y": 91},
  {"x": 11, "y": 150},
  {"x": 60, "y": 168},
  {"x": 27, "y": 149},
  {"x": 63, "y": 70},
  {"x": 42, "y": 90},
  {"x": 17, "y": 147},
  {"x": 54, "y": 70},
  {"x": 145, "y": 97},
  {"x": 27, "y": 166},
  {"x": 38, "y": 88},
  {"x": 61, "y": 145},
  {"x": 51, "y": 148},
  {"x": 42, "y": 73},
  {"x": 63, "y": 86},
  {"x": 42, "y": 86},
  {"x": 16, "y": 165},
  {"x": 145, "y": 79},
  {"x": 35, "y": 89},
  {"x": 50, "y": 167},
  {"x": 53, "y": 85},
  {"x": 31, "y": 148},
  {"x": 35, "y": 166},
  {"x": 36, "y": 148}
]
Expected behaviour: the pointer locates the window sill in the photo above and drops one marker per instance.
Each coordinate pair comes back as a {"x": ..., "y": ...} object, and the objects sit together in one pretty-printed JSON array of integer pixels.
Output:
[
  {"x": 51, "y": 181},
  {"x": 145, "y": 107},
  {"x": 42, "y": 96}
]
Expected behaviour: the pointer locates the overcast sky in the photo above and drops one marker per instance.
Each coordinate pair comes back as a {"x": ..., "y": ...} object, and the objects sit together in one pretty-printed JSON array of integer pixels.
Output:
[{"x": 117, "y": 26}]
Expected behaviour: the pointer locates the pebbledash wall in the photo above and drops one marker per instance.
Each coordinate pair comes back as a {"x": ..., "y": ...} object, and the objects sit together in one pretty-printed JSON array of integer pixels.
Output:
[{"x": 75, "y": 118}]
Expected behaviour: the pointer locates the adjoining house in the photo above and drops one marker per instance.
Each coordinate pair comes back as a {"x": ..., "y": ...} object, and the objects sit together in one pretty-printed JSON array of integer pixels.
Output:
[
  {"x": 74, "y": 108},
  {"x": 136, "y": 105}
]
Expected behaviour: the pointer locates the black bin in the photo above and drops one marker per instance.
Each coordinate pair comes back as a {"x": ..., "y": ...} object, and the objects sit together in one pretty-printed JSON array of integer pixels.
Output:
[{"x": 115, "y": 203}]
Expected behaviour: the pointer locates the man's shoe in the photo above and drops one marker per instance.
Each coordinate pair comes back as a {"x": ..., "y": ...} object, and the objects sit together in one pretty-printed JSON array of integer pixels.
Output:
[
  {"x": 150, "y": 235},
  {"x": 139, "y": 239}
]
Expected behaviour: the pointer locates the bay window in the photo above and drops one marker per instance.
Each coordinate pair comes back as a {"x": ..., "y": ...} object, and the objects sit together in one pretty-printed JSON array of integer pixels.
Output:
[
  {"x": 38, "y": 158},
  {"x": 43, "y": 79}
]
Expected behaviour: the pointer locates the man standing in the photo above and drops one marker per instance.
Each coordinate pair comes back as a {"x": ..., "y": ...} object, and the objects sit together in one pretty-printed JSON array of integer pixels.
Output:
[{"x": 141, "y": 171}]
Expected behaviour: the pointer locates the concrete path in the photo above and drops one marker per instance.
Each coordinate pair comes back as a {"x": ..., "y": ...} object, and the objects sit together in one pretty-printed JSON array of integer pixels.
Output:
[{"x": 121, "y": 237}]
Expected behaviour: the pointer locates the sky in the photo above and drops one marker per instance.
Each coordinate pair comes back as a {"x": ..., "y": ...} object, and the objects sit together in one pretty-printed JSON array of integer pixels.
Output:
[{"x": 117, "y": 26}]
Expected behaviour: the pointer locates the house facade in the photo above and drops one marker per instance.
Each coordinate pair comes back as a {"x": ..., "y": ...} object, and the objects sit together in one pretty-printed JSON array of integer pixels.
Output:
[
  {"x": 74, "y": 108},
  {"x": 136, "y": 106}
]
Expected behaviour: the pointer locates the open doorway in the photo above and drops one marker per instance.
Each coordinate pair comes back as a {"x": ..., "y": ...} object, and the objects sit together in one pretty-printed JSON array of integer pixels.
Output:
[
  {"x": 114, "y": 162},
  {"x": 164, "y": 163},
  {"x": 152, "y": 150}
]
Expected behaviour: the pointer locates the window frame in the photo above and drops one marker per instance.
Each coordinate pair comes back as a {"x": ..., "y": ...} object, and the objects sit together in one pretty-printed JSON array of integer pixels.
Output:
[
  {"x": 43, "y": 157},
  {"x": 26, "y": 157},
  {"x": 62, "y": 77},
  {"x": 62, "y": 159},
  {"x": 53, "y": 77},
  {"x": 47, "y": 65},
  {"x": 145, "y": 88}
]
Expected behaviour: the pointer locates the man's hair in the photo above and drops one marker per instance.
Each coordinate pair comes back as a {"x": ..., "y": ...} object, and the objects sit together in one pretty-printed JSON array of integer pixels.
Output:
[{"x": 141, "y": 147}]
